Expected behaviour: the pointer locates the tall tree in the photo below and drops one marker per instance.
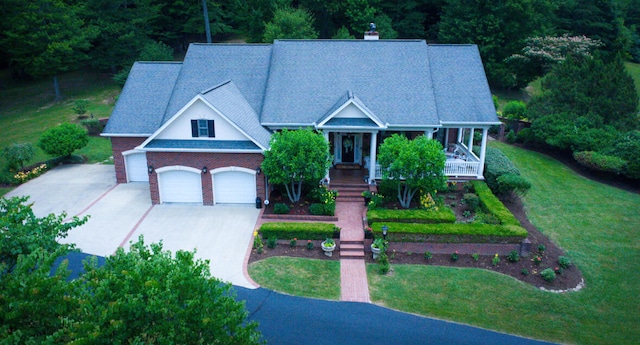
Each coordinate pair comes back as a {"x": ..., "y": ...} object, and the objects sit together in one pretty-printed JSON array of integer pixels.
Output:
[
  {"x": 45, "y": 37},
  {"x": 295, "y": 158},
  {"x": 290, "y": 23},
  {"x": 417, "y": 164},
  {"x": 498, "y": 27}
]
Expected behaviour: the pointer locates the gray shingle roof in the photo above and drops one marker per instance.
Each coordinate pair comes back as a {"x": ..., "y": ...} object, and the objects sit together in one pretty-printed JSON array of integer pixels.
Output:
[
  {"x": 143, "y": 99},
  {"x": 193, "y": 144},
  {"x": 460, "y": 84},
  {"x": 391, "y": 77},
  {"x": 228, "y": 99}
]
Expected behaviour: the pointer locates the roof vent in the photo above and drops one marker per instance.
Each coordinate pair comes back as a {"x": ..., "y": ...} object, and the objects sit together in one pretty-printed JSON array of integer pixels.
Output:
[{"x": 372, "y": 34}]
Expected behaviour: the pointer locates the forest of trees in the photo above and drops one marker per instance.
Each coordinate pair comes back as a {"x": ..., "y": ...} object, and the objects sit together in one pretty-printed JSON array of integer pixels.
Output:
[{"x": 41, "y": 38}]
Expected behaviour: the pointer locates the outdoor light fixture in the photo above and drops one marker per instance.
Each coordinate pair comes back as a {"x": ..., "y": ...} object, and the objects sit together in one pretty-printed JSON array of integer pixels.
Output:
[
  {"x": 385, "y": 230},
  {"x": 150, "y": 169},
  {"x": 204, "y": 170},
  {"x": 258, "y": 171}
]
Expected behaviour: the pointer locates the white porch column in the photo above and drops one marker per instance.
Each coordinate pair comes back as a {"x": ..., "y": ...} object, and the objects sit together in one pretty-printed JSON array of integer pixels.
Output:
[
  {"x": 470, "y": 145},
  {"x": 326, "y": 137},
  {"x": 483, "y": 150},
  {"x": 429, "y": 133},
  {"x": 459, "y": 139},
  {"x": 372, "y": 156}
]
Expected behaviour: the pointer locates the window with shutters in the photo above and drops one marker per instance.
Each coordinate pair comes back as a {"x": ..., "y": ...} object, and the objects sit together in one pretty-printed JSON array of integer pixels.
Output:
[{"x": 202, "y": 128}]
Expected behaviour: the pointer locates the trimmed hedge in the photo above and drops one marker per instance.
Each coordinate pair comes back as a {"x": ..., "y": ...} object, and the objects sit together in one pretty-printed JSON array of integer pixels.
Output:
[
  {"x": 307, "y": 231},
  {"x": 491, "y": 204},
  {"x": 600, "y": 162},
  {"x": 442, "y": 215},
  {"x": 451, "y": 233}
]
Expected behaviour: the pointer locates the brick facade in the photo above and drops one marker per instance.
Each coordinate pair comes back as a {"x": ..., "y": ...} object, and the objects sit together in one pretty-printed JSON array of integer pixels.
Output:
[
  {"x": 120, "y": 145},
  {"x": 199, "y": 160}
]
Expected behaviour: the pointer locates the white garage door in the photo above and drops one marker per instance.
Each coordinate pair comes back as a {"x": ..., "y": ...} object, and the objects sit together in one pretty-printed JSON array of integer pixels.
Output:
[
  {"x": 180, "y": 186},
  {"x": 136, "y": 165},
  {"x": 234, "y": 187}
]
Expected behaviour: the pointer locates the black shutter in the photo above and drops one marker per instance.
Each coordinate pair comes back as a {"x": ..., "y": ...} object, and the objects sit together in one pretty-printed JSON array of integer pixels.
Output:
[
  {"x": 194, "y": 128},
  {"x": 212, "y": 129}
]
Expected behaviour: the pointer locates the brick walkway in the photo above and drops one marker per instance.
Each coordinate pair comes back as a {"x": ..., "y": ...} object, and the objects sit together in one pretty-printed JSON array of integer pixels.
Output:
[{"x": 353, "y": 274}]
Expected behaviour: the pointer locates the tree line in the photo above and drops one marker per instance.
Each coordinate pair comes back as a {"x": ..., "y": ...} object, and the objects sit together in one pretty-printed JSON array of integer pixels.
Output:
[{"x": 45, "y": 37}]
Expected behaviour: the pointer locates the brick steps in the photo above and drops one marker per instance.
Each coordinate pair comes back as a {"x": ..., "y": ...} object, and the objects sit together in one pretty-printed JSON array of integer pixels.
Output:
[
  {"x": 352, "y": 249},
  {"x": 350, "y": 192}
]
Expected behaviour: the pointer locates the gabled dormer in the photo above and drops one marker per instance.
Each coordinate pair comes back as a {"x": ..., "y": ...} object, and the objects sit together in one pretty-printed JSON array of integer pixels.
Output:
[{"x": 350, "y": 112}]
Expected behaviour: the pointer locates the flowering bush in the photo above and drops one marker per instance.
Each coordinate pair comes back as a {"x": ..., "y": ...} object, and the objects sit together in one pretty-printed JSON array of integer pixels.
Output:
[
  {"x": 496, "y": 260},
  {"x": 23, "y": 177},
  {"x": 537, "y": 259},
  {"x": 309, "y": 245},
  {"x": 427, "y": 202},
  {"x": 293, "y": 242}
]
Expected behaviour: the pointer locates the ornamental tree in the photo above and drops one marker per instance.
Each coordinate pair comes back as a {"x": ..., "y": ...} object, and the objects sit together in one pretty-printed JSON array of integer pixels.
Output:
[
  {"x": 17, "y": 154},
  {"x": 295, "y": 158},
  {"x": 418, "y": 164},
  {"x": 63, "y": 139}
]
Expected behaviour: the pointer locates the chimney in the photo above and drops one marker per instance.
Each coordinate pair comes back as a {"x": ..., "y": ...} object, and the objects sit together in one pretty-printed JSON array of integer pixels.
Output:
[{"x": 372, "y": 34}]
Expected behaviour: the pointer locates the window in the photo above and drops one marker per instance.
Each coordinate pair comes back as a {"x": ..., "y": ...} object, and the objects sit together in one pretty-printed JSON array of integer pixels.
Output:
[{"x": 203, "y": 129}]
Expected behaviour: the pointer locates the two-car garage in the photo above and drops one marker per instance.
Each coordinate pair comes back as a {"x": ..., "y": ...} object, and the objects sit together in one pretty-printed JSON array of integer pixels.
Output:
[{"x": 231, "y": 185}]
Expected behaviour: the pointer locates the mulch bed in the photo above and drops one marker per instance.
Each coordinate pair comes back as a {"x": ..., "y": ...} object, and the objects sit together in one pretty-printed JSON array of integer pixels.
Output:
[{"x": 569, "y": 279}]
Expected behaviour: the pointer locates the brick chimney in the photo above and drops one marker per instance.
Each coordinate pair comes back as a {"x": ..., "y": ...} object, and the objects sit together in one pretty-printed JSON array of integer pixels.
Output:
[{"x": 372, "y": 34}]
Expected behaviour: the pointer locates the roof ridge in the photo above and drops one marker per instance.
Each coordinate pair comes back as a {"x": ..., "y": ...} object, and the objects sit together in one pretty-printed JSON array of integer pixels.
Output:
[{"x": 216, "y": 86}]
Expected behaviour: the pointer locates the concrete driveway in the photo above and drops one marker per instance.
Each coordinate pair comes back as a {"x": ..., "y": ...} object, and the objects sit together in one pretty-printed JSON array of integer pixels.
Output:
[{"x": 120, "y": 213}]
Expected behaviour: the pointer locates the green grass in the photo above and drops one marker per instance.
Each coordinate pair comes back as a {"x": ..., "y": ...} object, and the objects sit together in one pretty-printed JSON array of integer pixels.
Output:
[
  {"x": 595, "y": 224},
  {"x": 27, "y": 110},
  {"x": 634, "y": 71},
  {"x": 300, "y": 277}
]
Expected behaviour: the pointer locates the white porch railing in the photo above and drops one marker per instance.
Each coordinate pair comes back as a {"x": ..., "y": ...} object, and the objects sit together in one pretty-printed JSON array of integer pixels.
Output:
[{"x": 454, "y": 167}]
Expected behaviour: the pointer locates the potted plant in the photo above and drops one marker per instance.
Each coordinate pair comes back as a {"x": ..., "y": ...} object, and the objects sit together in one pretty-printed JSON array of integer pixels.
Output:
[
  {"x": 377, "y": 246},
  {"x": 367, "y": 196},
  {"x": 368, "y": 233},
  {"x": 328, "y": 246}
]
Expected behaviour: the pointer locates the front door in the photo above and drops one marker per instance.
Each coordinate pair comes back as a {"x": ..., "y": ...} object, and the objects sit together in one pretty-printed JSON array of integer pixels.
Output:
[
  {"x": 348, "y": 145},
  {"x": 348, "y": 148}
]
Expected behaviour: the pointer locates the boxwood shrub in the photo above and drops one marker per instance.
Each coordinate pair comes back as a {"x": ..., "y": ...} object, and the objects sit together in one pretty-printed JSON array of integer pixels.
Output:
[
  {"x": 323, "y": 209},
  {"x": 442, "y": 215},
  {"x": 491, "y": 204},
  {"x": 300, "y": 230},
  {"x": 451, "y": 233}
]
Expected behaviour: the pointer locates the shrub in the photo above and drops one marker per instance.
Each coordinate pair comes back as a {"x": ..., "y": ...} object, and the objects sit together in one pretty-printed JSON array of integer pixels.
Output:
[
  {"x": 280, "y": 208},
  {"x": 513, "y": 256},
  {"x": 627, "y": 148},
  {"x": 93, "y": 126},
  {"x": 537, "y": 259},
  {"x": 427, "y": 255},
  {"x": 17, "y": 154},
  {"x": 272, "y": 242},
  {"x": 313, "y": 231},
  {"x": 600, "y": 162},
  {"x": 454, "y": 256},
  {"x": 541, "y": 248},
  {"x": 548, "y": 274},
  {"x": 63, "y": 139},
  {"x": 525, "y": 136},
  {"x": 564, "y": 262},
  {"x": 496, "y": 260},
  {"x": 257, "y": 241},
  {"x": 525, "y": 271},
  {"x": 442, "y": 215},
  {"x": 457, "y": 232},
  {"x": 472, "y": 201},
  {"x": 491, "y": 204},
  {"x": 293, "y": 242},
  {"x": 383, "y": 261},
  {"x": 511, "y": 137},
  {"x": 486, "y": 218},
  {"x": 497, "y": 164},
  {"x": 511, "y": 183},
  {"x": 80, "y": 106},
  {"x": 475, "y": 256},
  {"x": 376, "y": 201},
  {"x": 309, "y": 245},
  {"x": 323, "y": 209},
  {"x": 515, "y": 110}
]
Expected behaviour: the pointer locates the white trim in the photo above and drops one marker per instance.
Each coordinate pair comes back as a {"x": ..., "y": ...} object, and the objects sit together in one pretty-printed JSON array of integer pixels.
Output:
[
  {"x": 198, "y": 150},
  {"x": 469, "y": 124},
  {"x": 350, "y": 101},
  {"x": 351, "y": 129},
  {"x": 129, "y": 152},
  {"x": 125, "y": 135},
  {"x": 232, "y": 168},
  {"x": 177, "y": 167}
]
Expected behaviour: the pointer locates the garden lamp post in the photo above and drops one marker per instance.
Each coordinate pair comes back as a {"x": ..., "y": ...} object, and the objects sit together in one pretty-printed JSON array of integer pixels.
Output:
[{"x": 385, "y": 229}]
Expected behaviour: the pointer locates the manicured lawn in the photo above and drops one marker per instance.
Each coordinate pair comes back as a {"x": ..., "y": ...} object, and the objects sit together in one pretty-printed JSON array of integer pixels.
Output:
[
  {"x": 596, "y": 225},
  {"x": 300, "y": 277}
]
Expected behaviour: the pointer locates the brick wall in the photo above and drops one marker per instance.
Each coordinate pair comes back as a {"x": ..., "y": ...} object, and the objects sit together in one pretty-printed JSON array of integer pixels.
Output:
[
  {"x": 198, "y": 160},
  {"x": 119, "y": 145}
]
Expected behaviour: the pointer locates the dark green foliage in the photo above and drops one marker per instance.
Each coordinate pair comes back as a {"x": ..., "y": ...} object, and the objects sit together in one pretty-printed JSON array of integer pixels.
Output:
[
  {"x": 383, "y": 262},
  {"x": 525, "y": 136},
  {"x": 63, "y": 139},
  {"x": 627, "y": 148},
  {"x": 451, "y": 232},
  {"x": 93, "y": 126},
  {"x": 17, "y": 154},
  {"x": 511, "y": 136},
  {"x": 513, "y": 256},
  {"x": 307, "y": 231},
  {"x": 564, "y": 262},
  {"x": 280, "y": 208},
  {"x": 80, "y": 106},
  {"x": 600, "y": 162},
  {"x": 515, "y": 110},
  {"x": 512, "y": 183},
  {"x": 548, "y": 274},
  {"x": 272, "y": 242},
  {"x": 322, "y": 209},
  {"x": 491, "y": 204},
  {"x": 289, "y": 23},
  {"x": 472, "y": 201},
  {"x": 497, "y": 164},
  {"x": 443, "y": 215},
  {"x": 427, "y": 255}
]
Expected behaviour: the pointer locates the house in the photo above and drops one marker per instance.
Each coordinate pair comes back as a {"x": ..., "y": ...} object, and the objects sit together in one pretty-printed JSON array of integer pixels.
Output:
[{"x": 196, "y": 130}]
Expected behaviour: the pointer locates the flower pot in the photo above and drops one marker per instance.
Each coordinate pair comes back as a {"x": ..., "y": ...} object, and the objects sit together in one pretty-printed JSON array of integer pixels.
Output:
[
  {"x": 328, "y": 249},
  {"x": 376, "y": 251},
  {"x": 367, "y": 200}
]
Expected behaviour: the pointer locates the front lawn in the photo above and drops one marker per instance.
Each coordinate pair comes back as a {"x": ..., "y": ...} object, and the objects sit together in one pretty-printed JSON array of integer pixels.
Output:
[
  {"x": 597, "y": 227},
  {"x": 299, "y": 277}
]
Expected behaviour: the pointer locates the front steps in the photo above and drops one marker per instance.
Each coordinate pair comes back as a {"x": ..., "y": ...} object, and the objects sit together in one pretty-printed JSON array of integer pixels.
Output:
[
  {"x": 349, "y": 192},
  {"x": 352, "y": 250}
]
